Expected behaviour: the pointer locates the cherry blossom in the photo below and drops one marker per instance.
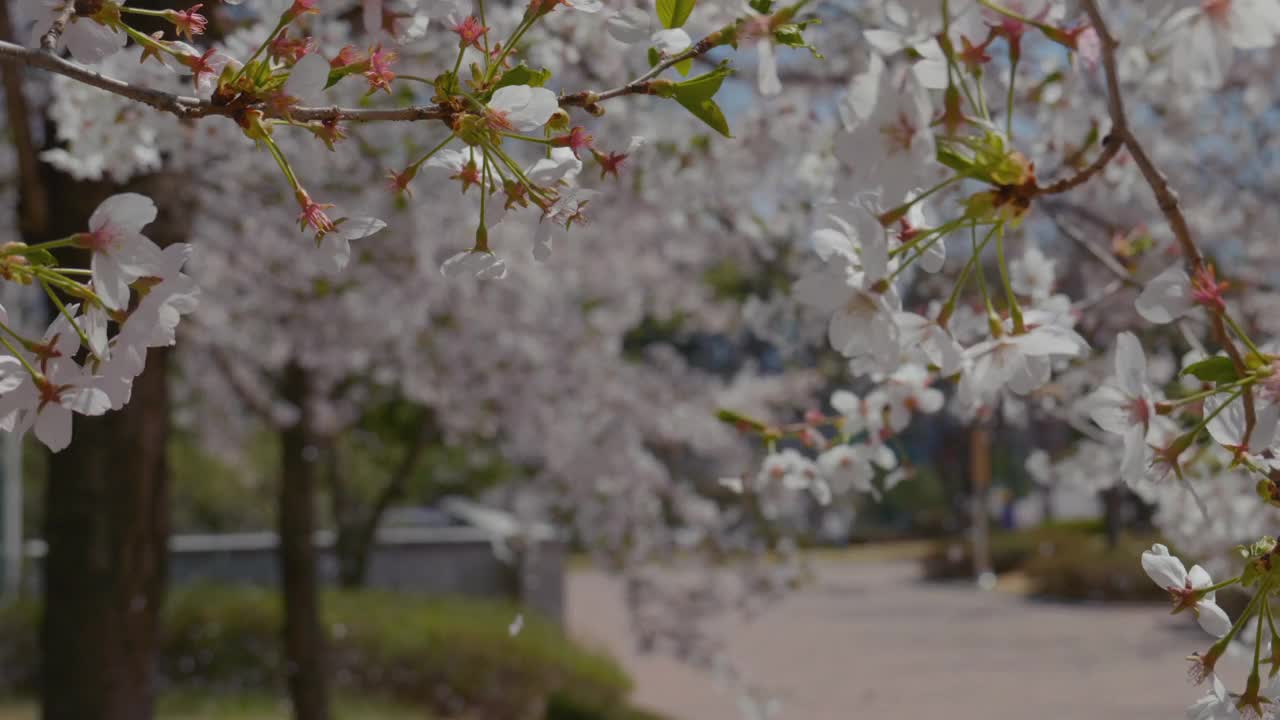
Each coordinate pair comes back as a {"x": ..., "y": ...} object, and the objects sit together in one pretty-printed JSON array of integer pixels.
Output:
[
  {"x": 1187, "y": 588},
  {"x": 1166, "y": 297},
  {"x": 886, "y": 116},
  {"x": 979, "y": 198},
  {"x": 520, "y": 107},
  {"x": 852, "y": 287},
  {"x": 1126, "y": 405},
  {"x": 1204, "y": 37},
  {"x": 121, "y": 254}
]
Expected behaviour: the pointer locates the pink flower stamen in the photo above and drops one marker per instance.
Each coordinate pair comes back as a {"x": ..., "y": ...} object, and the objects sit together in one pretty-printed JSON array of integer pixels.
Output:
[
  {"x": 379, "y": 73},
  {"x": 189, "y": 22},
  {"x": 470, "y": 31},
  {"x": 1206, "y": 290},
  {"x": 576, "y": 140},
  {"x": 313, "y": 214}
]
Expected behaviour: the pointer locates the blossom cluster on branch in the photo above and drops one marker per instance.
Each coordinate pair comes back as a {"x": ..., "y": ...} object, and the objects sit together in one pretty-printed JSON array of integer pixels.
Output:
[{"x": 927, "y": 152}]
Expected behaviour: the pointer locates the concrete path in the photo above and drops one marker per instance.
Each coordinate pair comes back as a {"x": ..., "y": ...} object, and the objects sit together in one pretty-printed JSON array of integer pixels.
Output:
[{"x": 869, "y": 640}]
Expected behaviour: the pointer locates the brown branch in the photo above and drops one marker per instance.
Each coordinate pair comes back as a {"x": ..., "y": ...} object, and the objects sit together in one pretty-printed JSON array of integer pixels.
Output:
[
  {"x": 1165, "y": 197},
  {"x": 642, "y": 85},
  {"x": 186, "y": 107},
  {"x": 1111, "y": 145},
  {"x": 191, "y": 108},
  {"x": 49, "y": 41}
]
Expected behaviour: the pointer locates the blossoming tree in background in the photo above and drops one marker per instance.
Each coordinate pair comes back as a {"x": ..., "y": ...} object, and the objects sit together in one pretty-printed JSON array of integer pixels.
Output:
[{"x": 926, "y": 199}]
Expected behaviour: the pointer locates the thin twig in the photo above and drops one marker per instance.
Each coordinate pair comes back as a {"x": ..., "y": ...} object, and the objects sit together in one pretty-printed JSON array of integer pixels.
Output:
[
  {"x": 49, "y": 41},
  {"x": 1102, "y": 256},
  {"x": 1111, "y": 145},
  {"x": 1165, "y": 197},
  {"x": 190, "y": 108},
  {"x": 641, "y": 86},
  {"x": 186, "y": 107}
]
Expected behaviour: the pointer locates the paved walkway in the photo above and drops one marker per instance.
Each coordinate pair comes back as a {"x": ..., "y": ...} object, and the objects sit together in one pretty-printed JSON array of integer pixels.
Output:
[{"x": 871, "y": 641}]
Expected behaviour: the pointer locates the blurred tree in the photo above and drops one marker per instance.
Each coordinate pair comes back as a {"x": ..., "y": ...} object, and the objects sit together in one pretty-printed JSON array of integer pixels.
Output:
[
  {"x": 304, "y": 644},
  {"x": 212, "y": 494},
  {"x": 412, "y": 429},
  {"x": 399, "y": 454},
  {"x": 106, "y": 511}
]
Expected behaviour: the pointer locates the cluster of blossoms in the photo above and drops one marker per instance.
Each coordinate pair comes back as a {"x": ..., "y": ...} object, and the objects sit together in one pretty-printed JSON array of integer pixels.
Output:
[
  {"x": 489, "y": 101},
  {"x": 85, "y": 362},
  {"x": 923, "y": 272},
  {"x": 538, "y": 364},
  {"x": 939, "y": 187}
]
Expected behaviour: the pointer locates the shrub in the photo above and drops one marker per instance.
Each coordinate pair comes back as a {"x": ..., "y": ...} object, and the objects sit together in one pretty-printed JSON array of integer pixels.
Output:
[
  {"x": 449, "y": 657},
  {"x": 19, "y": 633},
  {"x": 952, "y": 558},
  {"x": 1064, "y": 561},
  {"x": 1084, "y": 568}
]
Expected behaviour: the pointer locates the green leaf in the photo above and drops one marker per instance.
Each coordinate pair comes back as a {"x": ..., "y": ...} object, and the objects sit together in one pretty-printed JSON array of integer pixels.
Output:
[
  {"x": 696, "y": 96},
  {"x": 655, "y": 57},
  {"x": 523, "y": 75},
  {"x": 40, "y": 257},
  {"x": 344, "y": 71},
  {"x": 792, "y": 35},
  {"x": 703, "y": 87},
  {"x": 684, "y": 66},
  {"x": 708, "y": 112},
  {"x": 1214, "y": 369},
  {"x": 733, "y": 417},
  {"x": 446, "y": 84},
  {"x": 674, "y": 13},
  {"x": 764, "y": 7}
]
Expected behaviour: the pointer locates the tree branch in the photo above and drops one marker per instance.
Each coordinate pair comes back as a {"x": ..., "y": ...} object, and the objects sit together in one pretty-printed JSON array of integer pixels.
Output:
[
  {"x": 641, "y": 85},
  {"x": 187, "y": 107},
  {"x": 1111, "y": 145},
  {"x": 1165, "y": 197},
  {"x": 49, "y": 41},
  {"x": 191, "y": 108}
]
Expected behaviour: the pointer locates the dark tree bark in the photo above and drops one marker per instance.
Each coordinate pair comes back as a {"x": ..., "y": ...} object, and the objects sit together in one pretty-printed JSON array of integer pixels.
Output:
[
  {"x": 306, "y": 669},
  {"x": 106, "y": 522},
  {"x": 980, "y": 478},
  {"x": 1113, "y": 504},
  {"x": 106, "y": 508}
]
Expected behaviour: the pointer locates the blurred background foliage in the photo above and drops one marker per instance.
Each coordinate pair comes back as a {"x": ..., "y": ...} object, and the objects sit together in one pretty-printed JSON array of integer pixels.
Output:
[{"x": 220, "y": 650}]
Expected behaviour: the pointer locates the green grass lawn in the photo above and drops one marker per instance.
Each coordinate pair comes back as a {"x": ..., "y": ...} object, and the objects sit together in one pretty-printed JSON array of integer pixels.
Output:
[
  {"x": 884, "y": 551},
  {"x": 889, "y": 551},
  {"x": 189, "y": 707}
]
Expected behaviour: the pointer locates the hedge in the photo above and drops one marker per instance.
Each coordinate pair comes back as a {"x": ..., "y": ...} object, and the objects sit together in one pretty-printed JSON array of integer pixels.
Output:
[{"x": 449, "y": 657}]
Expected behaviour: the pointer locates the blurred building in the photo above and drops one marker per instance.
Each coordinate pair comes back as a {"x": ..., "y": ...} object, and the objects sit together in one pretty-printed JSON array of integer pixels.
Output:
[{"x": 457, "y": 548}]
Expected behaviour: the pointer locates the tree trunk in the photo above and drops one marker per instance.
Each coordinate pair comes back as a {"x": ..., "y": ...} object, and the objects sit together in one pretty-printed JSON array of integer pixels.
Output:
[
  {"x": 980, "y": 479},
  {"x": 306, "y": 670},
  {"x": 106, "y": 523},
  {"x": 106, "y": 509},
  {"x": 1113, "y": 500}
]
